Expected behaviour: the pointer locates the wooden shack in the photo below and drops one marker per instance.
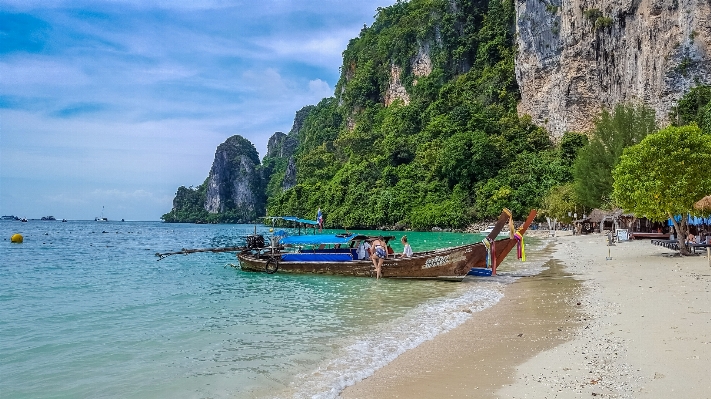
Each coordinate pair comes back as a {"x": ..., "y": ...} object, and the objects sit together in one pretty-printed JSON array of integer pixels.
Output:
[{"x": 601, "y": 221}]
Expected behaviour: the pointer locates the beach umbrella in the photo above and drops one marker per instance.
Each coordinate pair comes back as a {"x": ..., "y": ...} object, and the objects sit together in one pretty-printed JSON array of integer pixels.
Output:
[{"x": 703, "y": 203}]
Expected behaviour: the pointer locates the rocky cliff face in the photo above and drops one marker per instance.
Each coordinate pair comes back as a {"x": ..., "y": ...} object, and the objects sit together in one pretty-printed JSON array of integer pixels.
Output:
[
  {"x": 281, "y": 145},
  {"x": 280, "y": 152},
  {"x": 235, "y": 183},
  {"x": 579, "y": 56},
  {"x": 420, "y": 65}
]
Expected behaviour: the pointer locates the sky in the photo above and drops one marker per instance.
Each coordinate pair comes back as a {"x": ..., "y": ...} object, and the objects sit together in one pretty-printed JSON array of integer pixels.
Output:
[{"x": 111, "y": 106}]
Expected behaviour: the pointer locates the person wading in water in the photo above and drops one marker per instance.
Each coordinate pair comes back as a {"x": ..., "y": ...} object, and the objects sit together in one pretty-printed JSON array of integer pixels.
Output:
[{"x": 379, "y": 254}]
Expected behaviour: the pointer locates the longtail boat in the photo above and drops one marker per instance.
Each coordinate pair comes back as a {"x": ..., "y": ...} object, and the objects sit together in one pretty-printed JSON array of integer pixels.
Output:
[{"x": 287, "y": 255}]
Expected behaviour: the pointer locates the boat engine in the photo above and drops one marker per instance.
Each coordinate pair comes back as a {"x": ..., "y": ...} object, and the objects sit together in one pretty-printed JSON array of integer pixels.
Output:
[{"x": 255, "y": 241}]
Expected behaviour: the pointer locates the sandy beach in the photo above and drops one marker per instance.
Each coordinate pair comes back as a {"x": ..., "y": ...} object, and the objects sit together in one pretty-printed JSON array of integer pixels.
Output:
[{"x": 634, "y": 326}]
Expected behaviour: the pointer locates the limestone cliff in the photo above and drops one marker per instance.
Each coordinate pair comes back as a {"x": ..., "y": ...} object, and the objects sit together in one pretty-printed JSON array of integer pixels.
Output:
[
  {"x": 235, "y": 184},
  {"x": 280, "y": 162},
  {"x": 576, "y": 57}
]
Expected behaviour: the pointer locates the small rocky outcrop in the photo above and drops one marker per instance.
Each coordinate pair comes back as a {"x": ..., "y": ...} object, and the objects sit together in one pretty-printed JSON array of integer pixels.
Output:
[
  {"x": 420, "y": 65},
  {"x": 422, "y": 62},
  {"x": 289, "y": 174},
  {"x": 396, "y": 90},
  {"x": 281, "y": 145},
  {"x": 235, "y": 184}
]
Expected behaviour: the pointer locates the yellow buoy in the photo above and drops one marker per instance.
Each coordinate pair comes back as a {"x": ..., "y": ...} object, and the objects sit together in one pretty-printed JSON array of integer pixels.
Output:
[
  {"x": 16, "y": 238},
  {"x": 271, "y": 230}
]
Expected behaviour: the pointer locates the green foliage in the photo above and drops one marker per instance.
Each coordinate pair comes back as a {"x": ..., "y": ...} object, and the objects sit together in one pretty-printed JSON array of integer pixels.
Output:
[
  {"x": 603, "y": 22},
  {"x": 457, "y": 152},
  {"x": 684, "y": 65},
  {"x": 592, "y": 14},
  {"x": 320, "y": 126},
  {"x": 592, "y": 169},
  {"x": 597, "y": 18},
  {"x": 188, "y": 205},
  {"x": 705, "y": 119},
  {"x": 691, "y": 107},
  {"x": 559, "y": 201},
  {"x": 467, "y": 158},
  {"x": 665, "y": 174},
  {"x": 522, "y": 184},
  {"x": 570, "y": 145}
]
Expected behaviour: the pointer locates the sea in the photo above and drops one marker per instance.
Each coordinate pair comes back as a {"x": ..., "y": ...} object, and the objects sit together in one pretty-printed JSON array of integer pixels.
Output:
[{"x": 88, "y": 311}]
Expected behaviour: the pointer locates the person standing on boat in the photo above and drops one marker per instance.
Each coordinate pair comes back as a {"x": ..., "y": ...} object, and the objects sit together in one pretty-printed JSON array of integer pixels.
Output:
[
  {"x": 379, "y": 254},
  {"x": 407, "y": 250},
  {"x": 319, "y": 219},
  {"x": 363, "y": 250}
]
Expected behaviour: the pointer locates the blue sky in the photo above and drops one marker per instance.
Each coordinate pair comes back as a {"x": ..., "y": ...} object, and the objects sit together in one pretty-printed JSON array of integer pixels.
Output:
[{"x": 115, "y": 104}]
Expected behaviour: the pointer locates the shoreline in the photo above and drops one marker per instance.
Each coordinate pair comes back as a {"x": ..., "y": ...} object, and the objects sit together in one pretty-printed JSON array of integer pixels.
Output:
[
  {"x": 478, "y": 357},
  {"x": 634, "y": 326}
]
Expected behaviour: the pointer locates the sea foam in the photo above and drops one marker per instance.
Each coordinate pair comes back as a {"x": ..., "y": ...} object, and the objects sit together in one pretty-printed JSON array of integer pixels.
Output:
[{"x": 361, "y": 357}]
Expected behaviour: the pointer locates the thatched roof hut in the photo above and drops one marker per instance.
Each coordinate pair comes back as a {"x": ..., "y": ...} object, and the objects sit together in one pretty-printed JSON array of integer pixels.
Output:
[
  {"x": 607, "y": 219},
  {"x": 598, "y": 215}
]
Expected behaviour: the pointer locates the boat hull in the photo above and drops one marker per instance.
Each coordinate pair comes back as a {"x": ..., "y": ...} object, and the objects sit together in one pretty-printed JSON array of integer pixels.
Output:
[{"x": 446, "y": 264}]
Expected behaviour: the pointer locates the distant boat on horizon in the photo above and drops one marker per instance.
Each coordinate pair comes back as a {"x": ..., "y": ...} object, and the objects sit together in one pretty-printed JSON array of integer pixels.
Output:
[
  {"x": 101, "y": 218},
  {"x": 9, "y": 217}
]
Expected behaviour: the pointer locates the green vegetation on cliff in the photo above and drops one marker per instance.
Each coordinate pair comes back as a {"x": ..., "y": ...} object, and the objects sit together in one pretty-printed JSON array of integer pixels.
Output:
[
  {"x": 694, "y": 107},
  {"x": 450, "y": 151},
  {"x": 188, "y": 205},
  {"x": 232, "y": 193}
]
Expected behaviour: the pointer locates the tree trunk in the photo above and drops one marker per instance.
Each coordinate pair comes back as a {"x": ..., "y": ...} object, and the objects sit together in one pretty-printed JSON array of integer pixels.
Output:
[{"x": 682, "y": 231}]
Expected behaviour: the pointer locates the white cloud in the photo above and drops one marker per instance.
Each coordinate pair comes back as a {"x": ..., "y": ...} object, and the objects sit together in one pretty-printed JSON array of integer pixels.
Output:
[
  {"x": 321, "y": 48},
  {"x": 135, "y": 195},
  {"x": 319, "y": 89},
  {"x": 123, "y": 105},
  {"x": 34, "y": 72}
]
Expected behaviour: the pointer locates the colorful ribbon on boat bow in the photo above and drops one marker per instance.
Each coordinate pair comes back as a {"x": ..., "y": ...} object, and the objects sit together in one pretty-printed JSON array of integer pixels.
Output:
[
  {"x": 520, "y": 246},
  {"x": 490, "y": 251}
]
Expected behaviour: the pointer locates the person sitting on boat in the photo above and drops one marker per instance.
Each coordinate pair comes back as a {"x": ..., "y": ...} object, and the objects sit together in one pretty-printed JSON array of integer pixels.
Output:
[
  {"x": 363, "y": 250},
  {"x": 379, "y": 253},
  {"x": 407, "y": 250}
]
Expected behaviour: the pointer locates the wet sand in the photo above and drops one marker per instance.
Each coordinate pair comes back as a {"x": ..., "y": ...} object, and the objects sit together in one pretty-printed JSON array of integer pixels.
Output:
[
  {"x": 642, "y": 330},
  {"x": 477, "y": 358}
]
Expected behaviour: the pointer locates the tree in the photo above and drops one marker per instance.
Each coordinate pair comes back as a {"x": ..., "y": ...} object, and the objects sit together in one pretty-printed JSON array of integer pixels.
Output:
[
  {"x": 570, "y": 144},
  {"x": 690, "y": 108},
  {"x": 664, "y": 175},
  {"x": 592, "y": 170},
  {"x": 521, "y": 184},
  {"x": 559, "y": 201}
]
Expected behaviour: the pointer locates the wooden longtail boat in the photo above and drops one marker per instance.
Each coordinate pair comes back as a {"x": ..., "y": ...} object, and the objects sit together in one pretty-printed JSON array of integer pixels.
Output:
[{"x": 447, "y": 264}]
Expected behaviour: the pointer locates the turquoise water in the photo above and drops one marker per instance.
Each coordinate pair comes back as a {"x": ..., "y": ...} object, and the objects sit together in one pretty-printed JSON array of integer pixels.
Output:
[{"x": 87, "y": 311}]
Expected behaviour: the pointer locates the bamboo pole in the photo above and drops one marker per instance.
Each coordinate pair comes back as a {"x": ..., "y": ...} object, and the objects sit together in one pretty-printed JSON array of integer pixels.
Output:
[{"x": 192, "y": 251}]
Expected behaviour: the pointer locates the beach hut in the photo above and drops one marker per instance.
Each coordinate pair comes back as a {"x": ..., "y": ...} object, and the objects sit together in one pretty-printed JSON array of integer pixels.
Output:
[
  {"x": 611, "y": 220},
  {"x": 598, "y": 217},
  {"x": 583, "y": 226}
]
